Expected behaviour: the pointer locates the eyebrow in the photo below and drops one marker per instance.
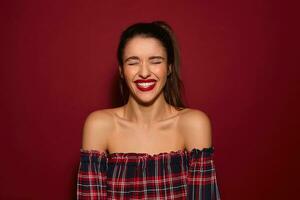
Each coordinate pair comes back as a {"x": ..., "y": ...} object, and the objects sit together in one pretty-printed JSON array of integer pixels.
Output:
[{"x": 156, "y": 57}]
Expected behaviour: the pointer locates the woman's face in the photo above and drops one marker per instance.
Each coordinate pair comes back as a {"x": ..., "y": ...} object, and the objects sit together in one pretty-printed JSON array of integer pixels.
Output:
[{"x": 145, "y": 59}]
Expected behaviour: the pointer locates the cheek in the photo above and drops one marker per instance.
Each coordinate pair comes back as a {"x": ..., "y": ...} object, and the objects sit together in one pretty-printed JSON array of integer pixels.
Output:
[
  {"x": 129, "y": 72},
  {"x": 161, "y": 71}
]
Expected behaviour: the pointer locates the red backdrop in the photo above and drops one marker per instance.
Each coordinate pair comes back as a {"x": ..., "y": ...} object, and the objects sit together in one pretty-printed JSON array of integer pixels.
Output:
[{"x": 58, "y": 63}]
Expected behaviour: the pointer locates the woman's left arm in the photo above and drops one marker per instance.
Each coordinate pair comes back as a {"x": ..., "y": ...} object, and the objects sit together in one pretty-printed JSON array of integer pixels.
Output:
[{"x": 201, "y": 178}]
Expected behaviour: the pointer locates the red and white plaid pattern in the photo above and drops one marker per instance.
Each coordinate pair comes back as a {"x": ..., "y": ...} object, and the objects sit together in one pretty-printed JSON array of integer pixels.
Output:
[{"x": 175, "y": 175}]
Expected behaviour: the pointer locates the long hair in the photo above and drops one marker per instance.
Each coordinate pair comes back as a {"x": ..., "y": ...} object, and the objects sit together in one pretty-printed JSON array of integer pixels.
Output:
[{"x": 164, "y": 33}]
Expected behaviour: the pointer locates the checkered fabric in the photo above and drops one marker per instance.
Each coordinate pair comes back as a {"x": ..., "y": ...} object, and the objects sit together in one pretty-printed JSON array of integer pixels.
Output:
[{"x": 175, "y": 175}]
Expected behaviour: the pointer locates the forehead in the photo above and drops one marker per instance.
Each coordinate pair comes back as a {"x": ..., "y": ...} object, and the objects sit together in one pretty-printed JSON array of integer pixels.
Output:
[{"x": 144, "y": 46}]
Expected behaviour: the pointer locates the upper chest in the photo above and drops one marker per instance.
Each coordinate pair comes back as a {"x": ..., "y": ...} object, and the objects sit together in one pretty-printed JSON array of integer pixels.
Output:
[{"x": 164, "y": 136}]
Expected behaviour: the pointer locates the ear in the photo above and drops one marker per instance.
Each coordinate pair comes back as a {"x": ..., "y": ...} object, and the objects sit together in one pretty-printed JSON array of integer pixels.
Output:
[
  {"x": 170, "y": 69},
  {"x": 120, "y": 71}
]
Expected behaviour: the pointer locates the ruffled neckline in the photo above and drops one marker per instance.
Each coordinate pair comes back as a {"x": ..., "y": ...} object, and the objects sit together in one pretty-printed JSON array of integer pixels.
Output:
[{"x": 194, "y": 152}]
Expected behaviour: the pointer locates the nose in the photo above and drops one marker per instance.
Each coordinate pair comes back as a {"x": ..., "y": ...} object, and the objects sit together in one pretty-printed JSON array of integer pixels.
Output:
[{"x": 144, "y": 70}]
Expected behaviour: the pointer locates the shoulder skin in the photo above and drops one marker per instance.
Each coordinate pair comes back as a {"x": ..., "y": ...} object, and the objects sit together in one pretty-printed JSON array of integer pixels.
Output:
[
  {"x": 97, "y": 127},
  {"x": 196, "y": 128}
]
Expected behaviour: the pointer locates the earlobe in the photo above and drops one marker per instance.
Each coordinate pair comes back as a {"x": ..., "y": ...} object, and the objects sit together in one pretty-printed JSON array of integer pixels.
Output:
[{"x": 120, "y": 72}]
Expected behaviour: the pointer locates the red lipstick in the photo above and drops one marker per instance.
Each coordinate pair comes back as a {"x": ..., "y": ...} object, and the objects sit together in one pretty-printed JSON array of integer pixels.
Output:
[
  {"x": 145, "y": 80},
  {"x": 145, "y": 85}
]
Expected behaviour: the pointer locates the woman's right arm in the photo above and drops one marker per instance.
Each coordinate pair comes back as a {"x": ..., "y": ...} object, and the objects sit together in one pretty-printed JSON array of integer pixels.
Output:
[{"x": 91, "y": 177}]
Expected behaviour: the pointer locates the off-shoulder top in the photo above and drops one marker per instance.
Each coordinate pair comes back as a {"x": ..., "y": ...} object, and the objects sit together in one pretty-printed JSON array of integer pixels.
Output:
[{"x": 174, "y": 175}]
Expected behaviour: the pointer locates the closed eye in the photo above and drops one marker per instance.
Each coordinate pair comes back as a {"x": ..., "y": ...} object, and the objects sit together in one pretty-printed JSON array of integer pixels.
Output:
[
  {"x": 156, "y": 59},
  {"x": 156, "y": 63},
  {"x": 132, "y": 60}
]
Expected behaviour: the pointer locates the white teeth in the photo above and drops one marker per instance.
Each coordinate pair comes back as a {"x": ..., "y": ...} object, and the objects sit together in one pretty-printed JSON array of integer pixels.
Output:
[{"x": 145, "y": 84}]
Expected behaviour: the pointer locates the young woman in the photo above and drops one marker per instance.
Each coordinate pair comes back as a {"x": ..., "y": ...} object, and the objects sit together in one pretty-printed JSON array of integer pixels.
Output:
[{"x": 152, "y": 147}]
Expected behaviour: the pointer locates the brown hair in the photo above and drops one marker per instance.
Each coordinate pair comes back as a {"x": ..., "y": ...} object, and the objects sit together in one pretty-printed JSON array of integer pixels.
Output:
[{"x": 164, "y": 33}]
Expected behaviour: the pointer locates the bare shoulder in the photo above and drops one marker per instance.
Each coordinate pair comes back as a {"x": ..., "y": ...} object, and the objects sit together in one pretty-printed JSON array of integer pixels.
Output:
[
  {"x": 195, "y": 125},
  {"x": 97, "y": 126}
]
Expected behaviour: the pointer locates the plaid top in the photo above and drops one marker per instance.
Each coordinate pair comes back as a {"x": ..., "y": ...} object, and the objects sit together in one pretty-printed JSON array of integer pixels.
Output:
[{"x": 175, "y": 175}]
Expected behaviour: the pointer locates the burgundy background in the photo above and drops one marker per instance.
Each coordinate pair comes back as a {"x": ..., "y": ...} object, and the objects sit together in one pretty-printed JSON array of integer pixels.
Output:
[{"x": 239, "y": 62}]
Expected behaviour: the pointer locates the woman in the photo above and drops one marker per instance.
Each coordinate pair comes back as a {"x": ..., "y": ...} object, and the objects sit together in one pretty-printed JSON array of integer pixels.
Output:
[{"x": 152, "y": 147}]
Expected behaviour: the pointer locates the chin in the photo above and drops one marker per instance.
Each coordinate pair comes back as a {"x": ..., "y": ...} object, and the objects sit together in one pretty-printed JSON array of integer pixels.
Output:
[{"x": 147, "y": 99}]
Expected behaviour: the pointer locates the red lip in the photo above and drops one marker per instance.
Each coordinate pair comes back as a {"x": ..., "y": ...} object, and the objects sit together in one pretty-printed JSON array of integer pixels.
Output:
[{"x": 144, "y": 81}]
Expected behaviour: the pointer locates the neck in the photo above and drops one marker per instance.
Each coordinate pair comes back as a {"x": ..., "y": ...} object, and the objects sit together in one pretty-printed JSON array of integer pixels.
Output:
[{"x": 147, "y": 114}]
